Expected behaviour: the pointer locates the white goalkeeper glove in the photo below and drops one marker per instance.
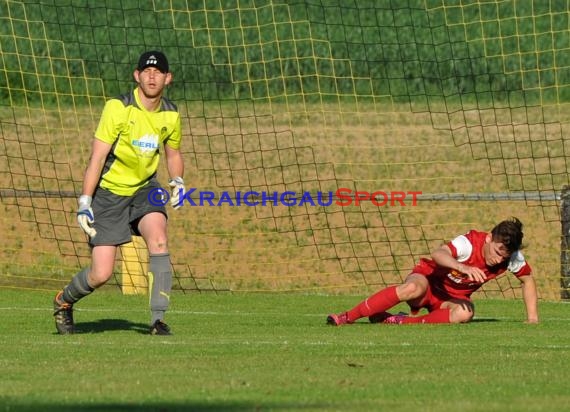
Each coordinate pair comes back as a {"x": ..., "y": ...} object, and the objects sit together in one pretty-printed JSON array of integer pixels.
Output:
[
  {"x": 178, "y": 190},
  {"x": 85, "y": 216}
]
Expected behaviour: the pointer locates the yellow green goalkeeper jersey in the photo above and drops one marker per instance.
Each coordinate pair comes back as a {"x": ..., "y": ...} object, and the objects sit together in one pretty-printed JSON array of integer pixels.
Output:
[{"x": 135, "y": 135}]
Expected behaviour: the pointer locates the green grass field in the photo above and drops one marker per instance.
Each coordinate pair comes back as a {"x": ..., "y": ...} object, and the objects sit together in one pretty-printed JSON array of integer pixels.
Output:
[{"x": 246, "y": 352}]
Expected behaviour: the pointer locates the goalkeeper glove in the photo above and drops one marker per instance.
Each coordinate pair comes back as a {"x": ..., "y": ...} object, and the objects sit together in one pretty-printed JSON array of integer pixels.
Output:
[
  {"x": 85, "y": 216},
  {"x": 178, "y": 190}
]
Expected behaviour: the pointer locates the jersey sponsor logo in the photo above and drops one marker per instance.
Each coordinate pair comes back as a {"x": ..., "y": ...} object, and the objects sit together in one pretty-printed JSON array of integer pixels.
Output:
[
  {"x": 146, "y": 144},
  {"x": 460, "y": 278}
]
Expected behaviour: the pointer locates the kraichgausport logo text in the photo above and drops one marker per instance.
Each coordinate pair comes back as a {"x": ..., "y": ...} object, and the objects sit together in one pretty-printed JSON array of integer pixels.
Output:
[{"x": 341, "y": 197}]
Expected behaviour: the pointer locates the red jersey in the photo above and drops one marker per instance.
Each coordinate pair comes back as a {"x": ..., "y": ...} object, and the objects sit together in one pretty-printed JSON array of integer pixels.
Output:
[{"x": 467, "y": 249}]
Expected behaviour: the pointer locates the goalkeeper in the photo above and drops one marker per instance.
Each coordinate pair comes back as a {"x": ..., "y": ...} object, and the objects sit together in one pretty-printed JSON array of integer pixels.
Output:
[
  {"x": 443, "y": 284},
  {"x": 117, "y": 187}
]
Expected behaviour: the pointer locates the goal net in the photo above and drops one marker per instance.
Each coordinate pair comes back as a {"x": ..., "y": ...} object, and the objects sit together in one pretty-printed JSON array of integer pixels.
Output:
[{"x": 452, "y": 113}]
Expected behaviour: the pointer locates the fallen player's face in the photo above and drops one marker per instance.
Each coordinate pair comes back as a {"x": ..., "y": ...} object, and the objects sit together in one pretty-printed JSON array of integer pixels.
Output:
[{"x": 495, "y": 253}]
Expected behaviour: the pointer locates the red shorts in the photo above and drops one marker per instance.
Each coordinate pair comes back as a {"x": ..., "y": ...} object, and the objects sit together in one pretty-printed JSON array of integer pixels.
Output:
[{"x": 433, "y": 299}]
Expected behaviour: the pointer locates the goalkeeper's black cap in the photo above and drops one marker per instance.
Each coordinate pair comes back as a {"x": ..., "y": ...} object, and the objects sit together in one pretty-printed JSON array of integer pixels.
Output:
[{"x": 153, "y": 58}]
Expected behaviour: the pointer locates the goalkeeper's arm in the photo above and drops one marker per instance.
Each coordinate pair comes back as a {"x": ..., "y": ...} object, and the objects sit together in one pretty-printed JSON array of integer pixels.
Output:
[
  {"x": 85, "y": 217},
  {"x": 175, "y": 166}
]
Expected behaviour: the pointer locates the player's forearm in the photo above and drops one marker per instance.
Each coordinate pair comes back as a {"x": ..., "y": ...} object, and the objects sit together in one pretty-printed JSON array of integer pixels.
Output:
[
  {"x": 442, "y": 256},
  {"x": 93, "y": 174},
  {"x": 530, "y": 298},
  {"x": 175, "y": 164},
  {"x": 99, "y": 152},
  {"x": 91, "y": 178}
]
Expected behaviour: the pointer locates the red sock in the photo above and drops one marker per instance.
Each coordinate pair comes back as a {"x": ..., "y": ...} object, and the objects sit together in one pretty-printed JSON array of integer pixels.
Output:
[
  {"x": 379, "y": 302},
  {"x": 437, "y": 316}
]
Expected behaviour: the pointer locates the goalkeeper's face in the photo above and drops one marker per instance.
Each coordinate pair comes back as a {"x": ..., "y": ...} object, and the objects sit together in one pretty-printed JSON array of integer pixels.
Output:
[{"x": 152, "y": 81}]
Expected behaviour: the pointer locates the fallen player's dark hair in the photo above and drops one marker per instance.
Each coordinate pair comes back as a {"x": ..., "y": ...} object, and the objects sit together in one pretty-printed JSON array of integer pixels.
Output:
[{"x": 509, "y": 233}]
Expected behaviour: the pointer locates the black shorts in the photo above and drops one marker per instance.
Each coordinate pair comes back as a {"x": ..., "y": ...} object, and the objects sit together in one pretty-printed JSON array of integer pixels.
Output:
[{"x": 117, "y": 217}]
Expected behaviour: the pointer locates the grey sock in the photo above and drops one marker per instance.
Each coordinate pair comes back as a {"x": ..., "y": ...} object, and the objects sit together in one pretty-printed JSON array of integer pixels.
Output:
[
  {"x": 160, "y": 284},
  {"x": 78, "y": 288}
]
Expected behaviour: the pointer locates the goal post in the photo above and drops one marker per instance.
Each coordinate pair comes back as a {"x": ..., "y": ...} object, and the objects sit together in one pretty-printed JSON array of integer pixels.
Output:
[
  {"x": 134, "y": 267},
  {"x": 565, "y": 244}
]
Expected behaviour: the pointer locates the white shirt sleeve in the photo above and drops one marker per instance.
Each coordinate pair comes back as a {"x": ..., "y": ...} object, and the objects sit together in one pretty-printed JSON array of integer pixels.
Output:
[
  {"x": 516, "y": 262},
  {"x": 463, "y": 246}
]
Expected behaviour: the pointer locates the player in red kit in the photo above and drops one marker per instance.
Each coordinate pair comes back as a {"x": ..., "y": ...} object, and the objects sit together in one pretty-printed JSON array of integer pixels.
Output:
[{"x": 443, "y": 284}]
